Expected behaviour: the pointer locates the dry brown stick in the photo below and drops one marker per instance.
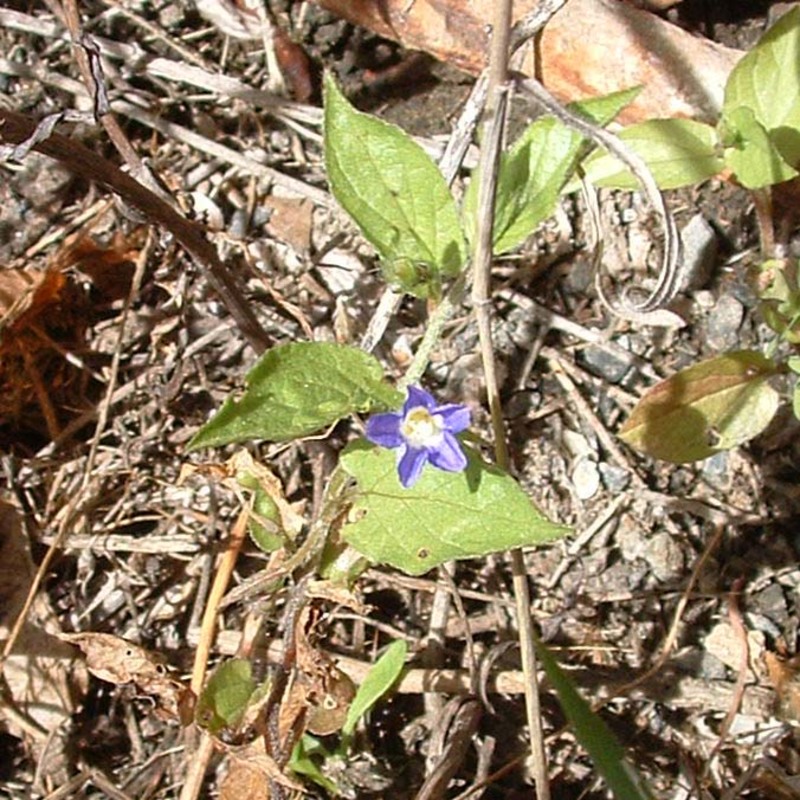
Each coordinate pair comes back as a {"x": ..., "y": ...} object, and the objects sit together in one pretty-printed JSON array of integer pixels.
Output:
[
  {"x": 464, "y": 725},
  {"x": 94, "y": 83},
  {"x": 198, "y": 758},
  {"x": 17, "y": 130},
  {"x": 481, "y": 292},
  {"x": 737, "y": 623}
]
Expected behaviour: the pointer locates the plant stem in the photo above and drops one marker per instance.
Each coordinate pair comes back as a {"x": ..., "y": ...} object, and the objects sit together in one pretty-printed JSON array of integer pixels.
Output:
[{"x": 481, "y": 292}]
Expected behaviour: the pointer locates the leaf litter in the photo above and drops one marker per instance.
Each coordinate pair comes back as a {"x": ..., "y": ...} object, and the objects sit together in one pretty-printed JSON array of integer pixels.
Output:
[{"x": 131, "y": 591}]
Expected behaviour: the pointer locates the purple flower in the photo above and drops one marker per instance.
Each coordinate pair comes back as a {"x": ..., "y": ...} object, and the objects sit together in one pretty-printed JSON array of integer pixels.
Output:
[{"x": 423, "y": 432}]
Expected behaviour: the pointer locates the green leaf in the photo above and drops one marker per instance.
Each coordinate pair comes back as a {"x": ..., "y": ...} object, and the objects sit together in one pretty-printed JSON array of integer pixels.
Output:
[
  {"x": 779, "y": 293},
  {"x": 796, "y": 399},
  {"x": 767, "y": 81},
  {"x": 593, "y": 734},
  {"x": 534, "y": 170},
  {"x": 225, "y": 698},
  {"x": 752, "y": 154},
  {"x": 443, "y": 516},
  {"x": 264, "y": 523},
  {"x": 393, "y": 191},
  {"x": 714, "y": 405},
  {"x": 679, "y": 152},
  {"x": 378, "y": 681},
  {"x": 302, "y": 762},
  {"x": 298, "y": 389}
]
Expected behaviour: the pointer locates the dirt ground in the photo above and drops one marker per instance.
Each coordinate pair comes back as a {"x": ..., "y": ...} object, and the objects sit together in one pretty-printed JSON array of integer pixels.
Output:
[{"x": 115, "y": 348}]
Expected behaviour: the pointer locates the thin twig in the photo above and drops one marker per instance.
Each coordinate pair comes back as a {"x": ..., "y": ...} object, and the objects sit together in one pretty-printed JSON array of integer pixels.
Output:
[
  {"x": 198, "y": 757},
  {"x": 669, "y": 275},
  {"x": 737, "y": 623},
  {"x": 16, "y": 129},
  {"x": 482, "y": 263}
]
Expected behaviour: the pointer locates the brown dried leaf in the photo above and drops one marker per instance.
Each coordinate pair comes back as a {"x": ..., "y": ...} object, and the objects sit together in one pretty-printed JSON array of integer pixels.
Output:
[
  {"x": 113, "y": 659},
  {"x": 243, "y": 464},
  {"x": 249, "y": 769},
  {"x": 25, "y": 294},
  {"x": 40, "y": 673},
  {"x": 326, "y": 690},
  {"x": 290, "y": 221},
  {"x": 589, "y": 48},
  {"x": 785, "y": 679},
  {"x": 109, "y": 267}
]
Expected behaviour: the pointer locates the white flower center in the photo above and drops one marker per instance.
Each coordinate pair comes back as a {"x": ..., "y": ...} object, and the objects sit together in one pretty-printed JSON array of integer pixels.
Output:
[{"x": 421, "y": 429}]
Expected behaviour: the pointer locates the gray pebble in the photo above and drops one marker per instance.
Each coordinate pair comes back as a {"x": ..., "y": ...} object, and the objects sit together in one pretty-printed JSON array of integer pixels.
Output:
[
  {"x": 724, "y": 322},
  {"x": 665, "y": 557},
  {"x": 615, "y": 479}
]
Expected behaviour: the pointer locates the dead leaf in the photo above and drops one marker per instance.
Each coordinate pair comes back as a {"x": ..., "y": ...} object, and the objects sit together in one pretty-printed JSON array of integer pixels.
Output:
[
  {"x": 109, "y": 267},
  {"x": 784, "y": 675},
  {"x": 243, "y": 464},
  {"x": 589, "y": 48},
  {"x": 113, "y": 659},
  {"x": 290, "y": 221},
  {"x": 26, "y": 293},
  {"x": 326, "y": 690},
  {"x": 249, "y": 769},
  {"x": 41, "y": 675}
]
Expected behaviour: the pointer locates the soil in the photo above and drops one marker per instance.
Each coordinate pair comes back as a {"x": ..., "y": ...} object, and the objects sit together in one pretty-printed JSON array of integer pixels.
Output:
[{"x": 109, "y": 370}]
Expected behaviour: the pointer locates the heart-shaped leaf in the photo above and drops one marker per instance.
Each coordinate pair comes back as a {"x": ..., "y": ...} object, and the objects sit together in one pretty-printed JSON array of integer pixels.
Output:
[
  {"x": 714, "y": 405},
  {"x": 298, "y": 389},
  {"x": 445, "y": 515}
]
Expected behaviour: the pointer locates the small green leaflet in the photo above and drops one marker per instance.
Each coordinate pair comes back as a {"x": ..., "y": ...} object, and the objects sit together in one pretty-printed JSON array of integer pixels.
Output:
[
  {"x": 752, "y": 154},
  {"x": 534, "y": 170},
  {"x": 377, "y": 683},
  {"x": 714, "y": 405},
  {"x": 679, "y": 152},
  {"x": 394, "y": 193},
  {"x": 767, "y": 81},
  {"x": 298, "y": 389},
  {"x": 225, "y": 698},
  {"x": 443, "y": 516}
]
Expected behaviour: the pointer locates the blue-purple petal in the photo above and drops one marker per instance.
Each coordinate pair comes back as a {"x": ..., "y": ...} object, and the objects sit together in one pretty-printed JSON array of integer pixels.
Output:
[
  {"x": 384, "y": 429},
  {"x": 418, "y": 397},
  {"x": 456, "y": 417},
  {"x": 448, "y": 455},
  {"x": 410, "y": 466}
]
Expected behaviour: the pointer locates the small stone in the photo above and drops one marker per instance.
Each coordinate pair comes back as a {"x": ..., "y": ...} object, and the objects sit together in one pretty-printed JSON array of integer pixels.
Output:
[
  {"x": 724, "y": 322},
  {"x": 604, "y": 364},
  {"x": 665, "y": 557},
  {"x": 700, "y": 247},
  {"x": 339, "y": 271},
  {"x": 704, "y": 299},
  {"x": 586, "y": 479},
  {"x": 716, "y": 471},
  {"x": 615, "y": 479}
]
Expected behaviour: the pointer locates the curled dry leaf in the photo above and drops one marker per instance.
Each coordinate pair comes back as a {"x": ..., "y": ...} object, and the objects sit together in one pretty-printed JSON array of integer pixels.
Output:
[
  {"x": 589, "y": 48},
  {"x": 326, "y": 690},
  {"x": 784, "y": 675},
  {"x": 249, "y": 770},
  {"x": 113, "y": 659},
  {"x": 42, "y": 678}
]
